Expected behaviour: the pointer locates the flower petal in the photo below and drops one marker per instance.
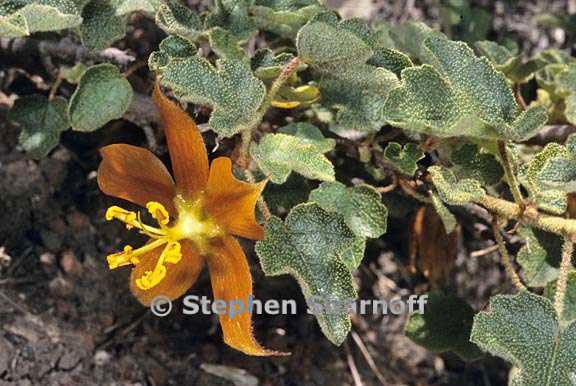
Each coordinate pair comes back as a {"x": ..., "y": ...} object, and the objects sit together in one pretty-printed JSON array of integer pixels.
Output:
[
  {"x": 231, "y": 281},
  {"x": 179, "y": 277},
  {"x": 135, "y": 174},
  {"x": 232, "y": 202},
  {"x": 186, "y": 146}
]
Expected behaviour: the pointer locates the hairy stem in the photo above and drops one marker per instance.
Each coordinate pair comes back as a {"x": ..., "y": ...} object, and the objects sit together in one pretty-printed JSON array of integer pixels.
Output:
[
  {"x": 506, "y": 260},
  {"x": 287, "y": 71},
  {"x": 509, "y": 173},
  {"x": 565, "y": 266},
  {"x": 510, "y": 210}
]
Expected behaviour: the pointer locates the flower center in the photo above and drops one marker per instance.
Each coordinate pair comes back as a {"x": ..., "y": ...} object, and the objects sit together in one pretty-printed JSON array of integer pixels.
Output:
[{"x": 192, "y": 224}]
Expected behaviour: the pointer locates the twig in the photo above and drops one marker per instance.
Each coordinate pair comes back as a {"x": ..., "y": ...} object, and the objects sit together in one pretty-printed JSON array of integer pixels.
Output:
[
  {"x": 561, "y": 285},
  {"x": 408, "y": 189},
  {"x": 368, "y": 357},
  {"x": 352, "y": 365},
  {"x": 506, "y": 256},
  {"x": 389, "y": 188},
  {"x": 509, "y": 173},
  {"x": 485, "y": 251}
]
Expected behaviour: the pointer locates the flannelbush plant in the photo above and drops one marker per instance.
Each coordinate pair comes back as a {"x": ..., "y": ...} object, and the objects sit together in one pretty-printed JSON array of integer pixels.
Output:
[{"x": 465, "y": 129}]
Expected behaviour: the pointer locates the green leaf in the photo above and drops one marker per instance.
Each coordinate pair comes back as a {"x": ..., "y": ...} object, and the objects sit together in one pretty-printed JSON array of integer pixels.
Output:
[
  {"x": 101, "y": 96},
  {"x": 310, "y": 135},
  {"x": 328, "y": 44},
  {"x": 232, "y": 15},
  {"x": 73, "y": 74},
  {"x": 410, "y": 37},
  {"x": 570, "y": 109},
  {"x": 361, "y": 207},
  {"x": 268, "y": 66},
  {"x": 524, "y": 330},
  {"x": 225, "y": 44},
  {"x": 444, "y": 326},
  {"x": 21, "y": 18},
  {"x": 171, "y": 47},
  {"x": 470, "y": 162},
  {"x": 280, "y": 154},
  {"x": 540, "y": 256},
  {"x": 175, "y": 18},
  {"x": 459, "y": 95},
  {"x": 284, "y": 17},
  {"x": 448, "y": 219},
  {"x": 569, "y": 312},
  {"x": 41, "y": 121},
  {"x": 125, "y": 7},
  {"x": 453, "y": 191},
  {"x": 549, "y": 175},
  {"x": 404, "y": 158},
  {"x": 101, "y": 26},
  {"x": 230, "y": 88},
  {"x": 338, "y": 52},
  {"x": 308, "y": 246}
]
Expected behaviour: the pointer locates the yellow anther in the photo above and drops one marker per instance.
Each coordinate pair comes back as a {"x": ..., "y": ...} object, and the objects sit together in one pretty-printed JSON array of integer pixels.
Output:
[
  {"x": 120, "y": 259},
  {"x": 171, "y": 254},
  {"x": 126, "y": 216},
  {"x": 158, "y": 212},
  {"x": 151, "y": 278}
]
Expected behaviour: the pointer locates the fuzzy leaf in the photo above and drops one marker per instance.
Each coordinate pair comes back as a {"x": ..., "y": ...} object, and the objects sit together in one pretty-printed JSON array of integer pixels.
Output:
[
  {"x": 459, "y": 95},
  {"x": 471, "y": 163},
  {"x": 453, "y": 191},
  {"x": 225, "y": 44},
  {"x": 101, "y": 26},
  {"x": 284, "y": 17},
  {"x": 550, "y": 175},
  {"x": 232, "y": 15},
  {"x": 308, "y": 245},
  {"x": 268, "y": 66},
  {"x": 570, "y": 109},
  {"x": 125, "y": 7},
  {"x": 102, "y": 95},
  {"x": 361, "y": 206},
  {"x": 177, "y": 19},
  {"x": 404, "y": 158},
  {"x": 21, "y": 18},
  {"x": 310, "y": 135},
  {"x": 524, "y": 330},
  {"x": 230, "y": 88},
  {"x": 448, "y": 219},
  {"x": 41, "y": 121},
  {"x": 444, "y": 326},
  {"x": 569, "y": 312},
  {"x": 280, "y": 154},
  {"x": 339, "y": 52},
  {"x": 539, "y": 257}
]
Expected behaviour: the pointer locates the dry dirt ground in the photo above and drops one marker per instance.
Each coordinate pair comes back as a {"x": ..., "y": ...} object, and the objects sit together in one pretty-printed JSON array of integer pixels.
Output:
[{"x": 66, "y": 320}]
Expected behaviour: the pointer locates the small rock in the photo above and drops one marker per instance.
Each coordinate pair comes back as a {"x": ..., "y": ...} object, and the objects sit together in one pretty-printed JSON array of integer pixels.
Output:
[
  {"x": 101, "y": 358},
  {"x": 47, "y": 258},
  {"x": 70, "y": 264}
]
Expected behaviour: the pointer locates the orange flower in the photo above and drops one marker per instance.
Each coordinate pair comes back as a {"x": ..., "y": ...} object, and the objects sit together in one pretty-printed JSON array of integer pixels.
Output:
[{"x": 197, "y": 218}]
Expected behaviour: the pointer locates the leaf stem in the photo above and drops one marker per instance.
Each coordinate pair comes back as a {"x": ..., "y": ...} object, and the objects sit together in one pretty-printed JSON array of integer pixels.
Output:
[
  {"x": 565, "y": 265},
  {"x": 509, "y": 173},
  {"x": 506, "y": 260}
]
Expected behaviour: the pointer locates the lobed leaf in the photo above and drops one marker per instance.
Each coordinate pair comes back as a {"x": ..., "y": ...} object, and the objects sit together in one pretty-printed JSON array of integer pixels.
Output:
[
  {"x": 459, "y": 95},
  {"x": 309, "y": 245},
  {"x": 444, "y": 326},
  {"x": 176, "y": 19},
  {"x": 42, "y": 121},
  {"x": 101, "y": 96},
  {"x": 524, "y": 330},
  {"x": 101, "y": 26},
  {"x": 284, "y": 17},
  {"x": 361, "y": 207},
  {"x": 230, "y": 88},
  {"x": 470, "y": 162},
  {"x": 405, "y": 158},
  {"x": 232, "y": 15},
  {"x": 539, "y": 257},
  {"x": 453, "y": 191},
  {"x": 22, "y": 18},
  {"x": 280, "y": 154}
]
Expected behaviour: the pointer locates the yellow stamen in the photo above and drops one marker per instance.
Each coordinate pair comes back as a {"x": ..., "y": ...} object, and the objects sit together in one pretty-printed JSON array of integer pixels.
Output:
[
  {"x": 171, "y": 254},
  {"x": 192, "y": 224},
  {"x": 158, "y": 212}
]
